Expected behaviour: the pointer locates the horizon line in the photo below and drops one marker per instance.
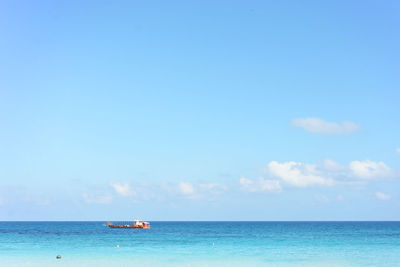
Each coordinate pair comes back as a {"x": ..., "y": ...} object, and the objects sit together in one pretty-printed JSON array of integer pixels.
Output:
[{"x": 203, "y": 220}]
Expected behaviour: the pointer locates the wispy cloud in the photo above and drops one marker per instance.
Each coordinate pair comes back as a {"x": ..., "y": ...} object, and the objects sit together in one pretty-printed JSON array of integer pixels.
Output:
[
  {"x": 398, "y": 150},
  {"x": 122, "y": 189},
  {"x": 213, "y": 188},
  {"x": 319, "y": 126},
  {"x": 331, "y": 165},
  {"x": 201, "y": 190},
  {"x": 186, "y": 188},
  {"x": 382, "y": 196},
  {"x": 321, "y": 198},
  {"x": 22, "y": 194},
  {"x": 98, "y": 199},
  {"x": 168, "y": 190},
  {"x": 260, "y": 185}
]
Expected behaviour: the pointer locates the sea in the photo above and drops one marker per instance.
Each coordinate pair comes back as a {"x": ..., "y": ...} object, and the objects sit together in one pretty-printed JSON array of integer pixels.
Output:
[{"x": 201, "y": 244}]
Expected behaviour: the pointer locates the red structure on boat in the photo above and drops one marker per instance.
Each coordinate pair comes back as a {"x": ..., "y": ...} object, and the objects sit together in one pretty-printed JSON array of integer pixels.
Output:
[{"x": 136, "y": 224}]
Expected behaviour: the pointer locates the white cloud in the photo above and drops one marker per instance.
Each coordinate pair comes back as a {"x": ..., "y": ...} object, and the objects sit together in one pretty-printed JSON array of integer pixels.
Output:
[
  {"x": 382, "y": 196},
  {"x": 368, "y": 169},
  {"x": 398, "y": 150},
  {"x": 298, "y": 174},
  {"x": 186, "y": 188},
  {"x": 103, "y": 199},
  {"x": 261, "y": 185},
  {"x": 122, "y": 189},
  {"x": 319, "y": 126}
]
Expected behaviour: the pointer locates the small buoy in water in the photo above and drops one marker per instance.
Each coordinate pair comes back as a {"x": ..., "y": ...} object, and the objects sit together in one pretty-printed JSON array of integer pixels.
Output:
[
  {"x": 117, "y": 246},
  {"x": 58, "y": 257}
]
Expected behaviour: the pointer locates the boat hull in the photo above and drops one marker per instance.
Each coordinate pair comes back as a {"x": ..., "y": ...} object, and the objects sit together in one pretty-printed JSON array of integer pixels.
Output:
[{"x": 131, "y": 226}]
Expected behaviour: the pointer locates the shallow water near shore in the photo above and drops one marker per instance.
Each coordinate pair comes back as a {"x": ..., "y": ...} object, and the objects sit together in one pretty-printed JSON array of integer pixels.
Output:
[{"x": 201, "y": 244}]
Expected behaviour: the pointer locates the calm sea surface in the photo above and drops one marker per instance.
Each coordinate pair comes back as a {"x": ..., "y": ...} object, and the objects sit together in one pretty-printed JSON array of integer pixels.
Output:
[{"x": 201, "y": 244}]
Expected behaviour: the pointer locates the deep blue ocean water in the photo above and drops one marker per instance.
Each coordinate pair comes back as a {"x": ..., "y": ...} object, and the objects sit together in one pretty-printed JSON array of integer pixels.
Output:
[{"x": 201, "y": 244}]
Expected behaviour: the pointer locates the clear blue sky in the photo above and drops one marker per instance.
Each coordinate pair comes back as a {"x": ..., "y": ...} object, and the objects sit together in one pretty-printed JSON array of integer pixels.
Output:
[{"x": 200, "y": 110}]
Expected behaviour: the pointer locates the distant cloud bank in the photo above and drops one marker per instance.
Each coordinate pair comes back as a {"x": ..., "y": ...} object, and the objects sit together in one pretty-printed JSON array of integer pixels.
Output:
[
  {"x": 327, "y": 173},
  {"x": 319, "y": 126},
  {"x": 275, "y": 178},
  {"x": 162, "y": 191}
]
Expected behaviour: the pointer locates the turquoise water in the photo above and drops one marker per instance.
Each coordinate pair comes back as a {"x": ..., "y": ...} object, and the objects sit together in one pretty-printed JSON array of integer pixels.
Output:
[{"x": 201, "y": 244}]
